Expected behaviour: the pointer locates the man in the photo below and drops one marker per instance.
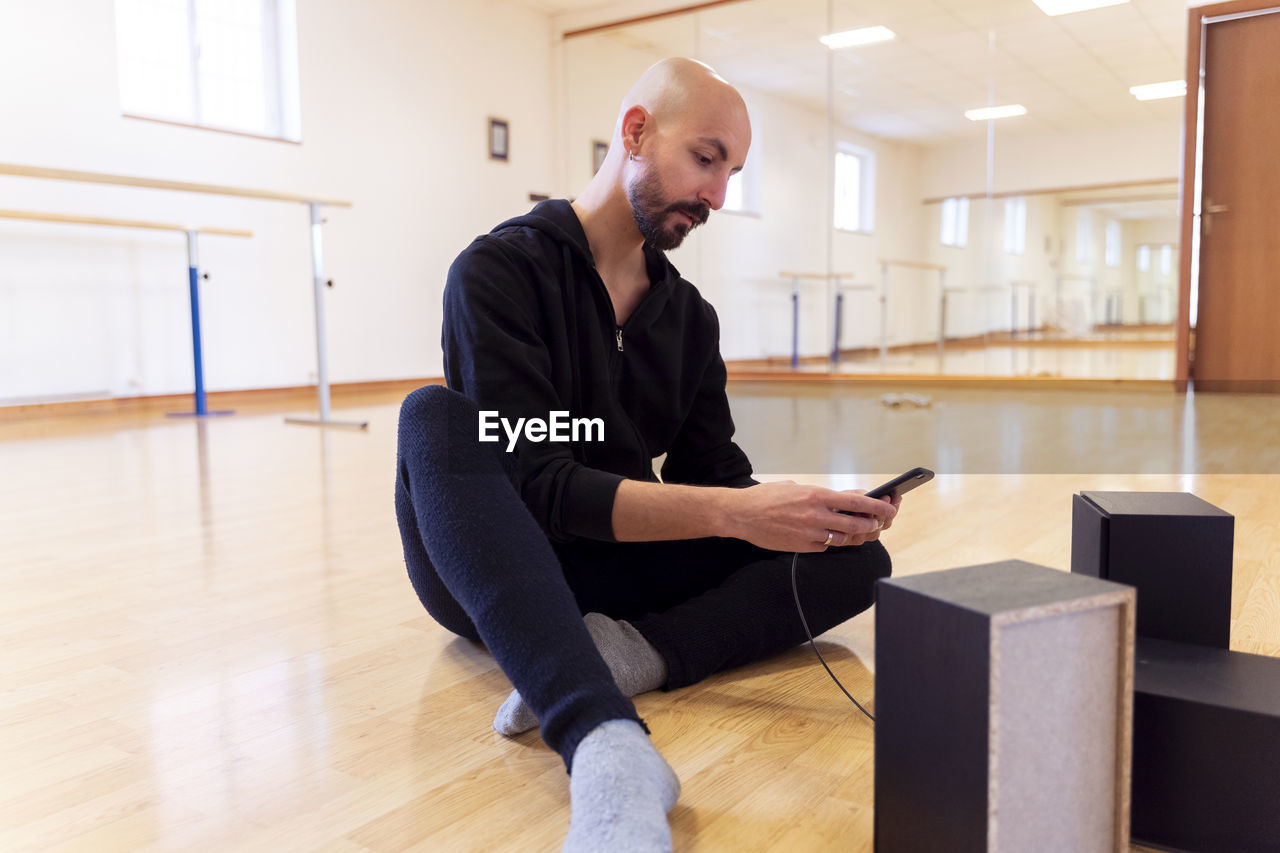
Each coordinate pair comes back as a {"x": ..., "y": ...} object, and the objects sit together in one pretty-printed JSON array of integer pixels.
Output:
[{"x": 574, "y": 308}]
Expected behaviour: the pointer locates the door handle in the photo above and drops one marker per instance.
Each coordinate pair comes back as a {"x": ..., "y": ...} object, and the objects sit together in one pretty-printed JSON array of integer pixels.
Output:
[{"x": 1207, "y": 212}]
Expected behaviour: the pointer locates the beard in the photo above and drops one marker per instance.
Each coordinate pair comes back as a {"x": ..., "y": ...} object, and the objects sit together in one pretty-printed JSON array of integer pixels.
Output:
[{"x": 651, "y": 210}]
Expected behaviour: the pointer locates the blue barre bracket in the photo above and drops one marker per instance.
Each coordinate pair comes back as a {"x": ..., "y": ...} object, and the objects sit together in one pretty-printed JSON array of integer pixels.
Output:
[
  {"x": 795, "y": 323},
  {"x": 193, "y": 279}
]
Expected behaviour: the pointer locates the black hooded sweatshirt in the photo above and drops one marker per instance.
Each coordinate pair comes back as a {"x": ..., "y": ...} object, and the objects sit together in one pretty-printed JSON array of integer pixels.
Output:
[{"x": 529, "y": 330}]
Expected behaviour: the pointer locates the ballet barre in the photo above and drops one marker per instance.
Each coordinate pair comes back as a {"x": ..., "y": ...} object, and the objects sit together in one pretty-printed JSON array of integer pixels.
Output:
[
  {"x": 796, "y": 278},
  {"x": 940, "y": 269},
  {"x": 193, "y": 275},
  {"x": 1030, "y": 287},
  {"x": 840, "y": 289},
  {"x": 1113, "y": 296},
  {"x": 1145, "y": 298},
  {"x": 313, "y": 203},
  {"x": 1059, "y": 306}
]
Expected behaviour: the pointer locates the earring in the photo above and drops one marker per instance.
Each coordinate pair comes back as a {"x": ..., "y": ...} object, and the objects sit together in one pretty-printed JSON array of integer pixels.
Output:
[{"x": 631, "y": 155}]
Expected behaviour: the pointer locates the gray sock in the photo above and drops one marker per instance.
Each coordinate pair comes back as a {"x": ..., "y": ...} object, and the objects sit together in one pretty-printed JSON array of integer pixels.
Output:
[
  {"x": 636, "y": 667},
  {"x": 620, "y": 789}
]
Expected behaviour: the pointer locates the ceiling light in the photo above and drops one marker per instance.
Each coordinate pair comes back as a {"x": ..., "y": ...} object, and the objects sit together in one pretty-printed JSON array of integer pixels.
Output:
[
  {"x": 1067, "y": 7},
  {"x": 1153, "y": 91},
  {"x": 995, "y": 112},
  {"x": 853, "y": 38}
]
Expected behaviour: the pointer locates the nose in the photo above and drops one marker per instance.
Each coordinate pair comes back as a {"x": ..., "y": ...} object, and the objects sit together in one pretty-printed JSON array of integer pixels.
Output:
[{"x": 714, "y": 191}]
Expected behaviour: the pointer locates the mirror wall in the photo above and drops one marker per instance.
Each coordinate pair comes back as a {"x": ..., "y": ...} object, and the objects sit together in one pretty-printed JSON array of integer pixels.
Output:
[{"x": 877, "y": 229}]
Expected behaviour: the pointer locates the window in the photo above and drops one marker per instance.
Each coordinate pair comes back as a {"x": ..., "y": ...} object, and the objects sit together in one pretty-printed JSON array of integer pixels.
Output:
[
  {"x": 855, "y": 177},
  {"x": 224, "y": 64},
  {"x": 955, "y": 222},
  {"x": 733, "y": 193},
  {"x": 1015, "y": 226},
  {"x": 742, "y": 195},
  {"x": 1166, "y": 259},
  {"x": 1084, "y": 236},
  {"x": 1113, "y": 243},
  {"x": 1144, "y": 258}
]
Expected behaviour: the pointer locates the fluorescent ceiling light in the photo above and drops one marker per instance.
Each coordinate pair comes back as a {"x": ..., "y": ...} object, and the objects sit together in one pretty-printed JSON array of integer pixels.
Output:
[
  {"x": 995, "y": 112},
  {"x": 1153, "y": 91},
  {"x": 1067, "y": 7},
  {"x": 853, "y": 38}
]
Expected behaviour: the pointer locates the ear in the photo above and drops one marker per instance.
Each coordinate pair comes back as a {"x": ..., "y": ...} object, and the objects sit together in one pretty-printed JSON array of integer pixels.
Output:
[{"x": 634, "y": 122}]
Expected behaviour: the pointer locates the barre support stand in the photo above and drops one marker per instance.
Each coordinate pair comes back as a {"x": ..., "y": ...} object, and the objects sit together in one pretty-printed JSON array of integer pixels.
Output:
[
  {"x": 322, "y": 385},
  {"x": 193, "y": 280}
]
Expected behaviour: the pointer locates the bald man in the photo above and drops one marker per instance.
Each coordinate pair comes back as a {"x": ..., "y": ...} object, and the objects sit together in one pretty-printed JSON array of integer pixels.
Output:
[{"x": 587, "y": 578}]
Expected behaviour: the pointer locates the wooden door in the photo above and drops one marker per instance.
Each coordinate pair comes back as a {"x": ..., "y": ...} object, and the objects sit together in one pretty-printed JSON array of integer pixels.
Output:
[{"x": 1237, "y": 334}]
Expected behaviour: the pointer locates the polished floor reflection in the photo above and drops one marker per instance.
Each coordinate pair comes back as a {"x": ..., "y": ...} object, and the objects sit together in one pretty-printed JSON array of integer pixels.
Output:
[
  {"x": 208, "y": 641},
  {"x": 834, "y": 429}
]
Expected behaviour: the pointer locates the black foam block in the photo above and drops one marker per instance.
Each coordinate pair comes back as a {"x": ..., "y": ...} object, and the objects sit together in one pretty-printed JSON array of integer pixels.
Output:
[
  {"x": 1206, "y": 749},
  {"x": 1173, "y": 546},
  {"x": 1003, "y": 711}
]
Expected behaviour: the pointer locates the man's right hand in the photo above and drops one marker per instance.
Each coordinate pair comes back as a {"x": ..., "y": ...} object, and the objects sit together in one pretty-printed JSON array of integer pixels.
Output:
[{"x": 793, "y": 517}]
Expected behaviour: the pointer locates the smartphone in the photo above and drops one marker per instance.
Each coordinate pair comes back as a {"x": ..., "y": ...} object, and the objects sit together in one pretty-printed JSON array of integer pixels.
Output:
[{"x": 902, "y": 484}]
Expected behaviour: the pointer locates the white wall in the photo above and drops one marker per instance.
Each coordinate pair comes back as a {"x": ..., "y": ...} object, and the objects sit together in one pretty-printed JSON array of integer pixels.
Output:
[
  {"x": 395, "y": 97},
  {"x": 1033, "y": 161}
]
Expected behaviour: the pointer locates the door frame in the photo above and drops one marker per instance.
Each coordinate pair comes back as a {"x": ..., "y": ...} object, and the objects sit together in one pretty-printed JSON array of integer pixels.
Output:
[{"x": 1190, "y": 187}]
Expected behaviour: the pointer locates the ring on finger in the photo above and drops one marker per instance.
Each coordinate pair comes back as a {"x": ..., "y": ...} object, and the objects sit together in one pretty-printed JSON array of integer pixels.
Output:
[{"x": 831, "y": 535}]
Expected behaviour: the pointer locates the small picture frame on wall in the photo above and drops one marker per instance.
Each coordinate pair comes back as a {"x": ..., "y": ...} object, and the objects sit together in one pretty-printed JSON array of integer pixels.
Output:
[
  {"x": 599, "y": 150},
  {"x": 498, "y": 139}
]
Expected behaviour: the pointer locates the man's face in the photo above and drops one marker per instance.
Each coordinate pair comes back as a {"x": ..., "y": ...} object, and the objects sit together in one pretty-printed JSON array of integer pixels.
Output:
[
  {"x": 664, "y": 222},
  {"x": 683, "y": 177}
]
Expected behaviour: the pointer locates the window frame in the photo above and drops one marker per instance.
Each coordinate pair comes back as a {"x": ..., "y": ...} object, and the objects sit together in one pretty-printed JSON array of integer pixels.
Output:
[{"x": 281, "y": 120}]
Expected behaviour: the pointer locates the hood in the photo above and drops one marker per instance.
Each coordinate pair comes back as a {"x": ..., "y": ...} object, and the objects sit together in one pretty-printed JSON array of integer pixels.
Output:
[{"x": 556, "y": 219}]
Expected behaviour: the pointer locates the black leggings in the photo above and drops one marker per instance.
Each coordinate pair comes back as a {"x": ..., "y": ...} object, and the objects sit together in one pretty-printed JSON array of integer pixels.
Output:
[{"x": 484, "y": 570}]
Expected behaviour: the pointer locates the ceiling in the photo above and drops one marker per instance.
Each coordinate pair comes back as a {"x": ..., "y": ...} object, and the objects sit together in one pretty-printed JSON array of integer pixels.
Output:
[{"x": 1071, "y": 72}]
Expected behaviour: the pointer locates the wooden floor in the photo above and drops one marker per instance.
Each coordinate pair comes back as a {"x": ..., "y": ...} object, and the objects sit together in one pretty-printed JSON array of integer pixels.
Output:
[{"x": 208, "y": 641}]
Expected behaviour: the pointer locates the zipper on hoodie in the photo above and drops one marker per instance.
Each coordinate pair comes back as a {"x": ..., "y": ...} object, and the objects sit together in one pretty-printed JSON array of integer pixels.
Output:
[{"x": 619, "y": 330}]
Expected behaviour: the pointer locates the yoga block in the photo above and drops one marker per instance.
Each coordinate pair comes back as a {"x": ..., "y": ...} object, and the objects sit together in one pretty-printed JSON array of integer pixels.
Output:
[
  {"x": 1003, "y": 709},
  {"x": 1173, "y": 546},
  {"x": 1206, "y": 749}
]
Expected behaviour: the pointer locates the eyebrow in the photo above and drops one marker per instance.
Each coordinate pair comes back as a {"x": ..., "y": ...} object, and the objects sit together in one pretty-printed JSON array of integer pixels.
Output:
[{"x": 715, "y": 142}]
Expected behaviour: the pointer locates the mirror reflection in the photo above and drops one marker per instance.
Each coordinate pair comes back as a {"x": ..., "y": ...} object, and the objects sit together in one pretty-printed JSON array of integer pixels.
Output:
[{"x": 878, "y": 229}]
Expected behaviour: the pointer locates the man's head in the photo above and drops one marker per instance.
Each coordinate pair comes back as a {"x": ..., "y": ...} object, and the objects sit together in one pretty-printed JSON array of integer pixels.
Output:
[{"x": 681, "y": 132}]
